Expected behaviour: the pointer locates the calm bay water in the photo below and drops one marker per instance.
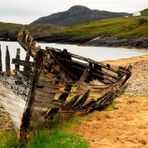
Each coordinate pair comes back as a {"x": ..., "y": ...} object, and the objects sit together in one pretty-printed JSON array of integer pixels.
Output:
[
  {"x": 95, "y": 53},
  {"x": 98, "y": 53}
]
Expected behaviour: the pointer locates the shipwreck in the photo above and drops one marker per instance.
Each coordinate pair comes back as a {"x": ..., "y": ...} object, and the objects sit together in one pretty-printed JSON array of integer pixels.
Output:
[{"x": 55, "y": 83}]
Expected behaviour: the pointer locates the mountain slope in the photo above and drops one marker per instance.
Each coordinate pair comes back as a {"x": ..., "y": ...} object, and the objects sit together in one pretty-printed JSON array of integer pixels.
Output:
[{"x": 77, "y": 15}]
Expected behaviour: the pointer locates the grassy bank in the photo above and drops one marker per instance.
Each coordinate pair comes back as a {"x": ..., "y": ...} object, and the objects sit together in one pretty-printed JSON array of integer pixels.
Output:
[
  {"x": 45, "y": 139},
  {"x": 59, "y": 135}
]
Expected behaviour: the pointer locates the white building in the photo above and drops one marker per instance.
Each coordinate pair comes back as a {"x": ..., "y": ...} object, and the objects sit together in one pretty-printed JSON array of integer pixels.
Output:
[{"x": 137, "y": 13}]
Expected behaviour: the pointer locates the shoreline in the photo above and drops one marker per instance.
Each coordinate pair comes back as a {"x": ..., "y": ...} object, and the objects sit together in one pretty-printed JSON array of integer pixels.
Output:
[
  {"x": 127, "y": 61},
  {"x": 104, "y": 41}
]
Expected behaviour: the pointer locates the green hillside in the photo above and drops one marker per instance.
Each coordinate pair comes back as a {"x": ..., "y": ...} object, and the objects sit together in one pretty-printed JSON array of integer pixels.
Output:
[
  {"x": 11, "y": 30},
  {"x": 131, "y": 27},
  {"x": 42, "y": 30},
  {"x": 144, "y": 12}
]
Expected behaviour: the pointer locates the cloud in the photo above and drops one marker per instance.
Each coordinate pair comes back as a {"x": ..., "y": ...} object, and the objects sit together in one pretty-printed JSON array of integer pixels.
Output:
[{"x": 18, "y": 10}]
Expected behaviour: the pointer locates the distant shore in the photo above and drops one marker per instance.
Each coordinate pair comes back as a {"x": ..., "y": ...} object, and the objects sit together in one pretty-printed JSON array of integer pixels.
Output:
[
  {"x": 98, "y": 41},
  {"x": 89, "y": 41}
]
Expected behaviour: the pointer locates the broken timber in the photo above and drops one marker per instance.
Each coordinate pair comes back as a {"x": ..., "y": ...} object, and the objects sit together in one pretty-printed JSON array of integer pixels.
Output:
[{"x": 56, "y": 82}]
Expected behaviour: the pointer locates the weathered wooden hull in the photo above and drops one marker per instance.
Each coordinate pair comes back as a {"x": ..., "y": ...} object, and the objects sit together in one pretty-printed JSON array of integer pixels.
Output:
[
  {"x": 13, "y": 97},
  {"x": 56, "y": 83}
]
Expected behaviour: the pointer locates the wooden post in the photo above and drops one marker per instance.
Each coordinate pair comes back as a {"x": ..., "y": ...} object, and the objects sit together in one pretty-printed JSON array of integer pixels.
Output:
[
  {"x": 7, "y": 60},
  {"x": 0, "y": 59},
  {"x": 27, "y": 68},
  {"x": 27, "y": 57},
  {"x": 28, "y": 111},
  {"x": 17, "y": 67}
]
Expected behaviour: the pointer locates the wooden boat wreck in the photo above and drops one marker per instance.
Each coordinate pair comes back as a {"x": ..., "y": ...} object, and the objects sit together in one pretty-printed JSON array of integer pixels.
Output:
[{"x": 56, "y": 83}]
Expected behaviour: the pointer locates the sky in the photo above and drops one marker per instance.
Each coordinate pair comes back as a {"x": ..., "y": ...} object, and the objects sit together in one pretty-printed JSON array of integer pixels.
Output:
[{"x": 26, "y": 11}]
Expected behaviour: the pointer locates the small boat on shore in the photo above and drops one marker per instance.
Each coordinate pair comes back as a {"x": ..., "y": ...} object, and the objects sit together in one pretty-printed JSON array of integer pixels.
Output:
[{"x": 54, "y": 84}]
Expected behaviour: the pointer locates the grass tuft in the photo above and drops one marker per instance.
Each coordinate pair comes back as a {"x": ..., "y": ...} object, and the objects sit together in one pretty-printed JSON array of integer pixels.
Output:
[
  {"x": 8, "y": 139},
  {"x": 59, "y": 135},
  {"x": 56, "y": 139}
]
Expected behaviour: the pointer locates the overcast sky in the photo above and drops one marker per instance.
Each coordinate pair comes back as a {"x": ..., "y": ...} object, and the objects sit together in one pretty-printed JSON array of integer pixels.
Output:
[{"x": 26, "y": 11}]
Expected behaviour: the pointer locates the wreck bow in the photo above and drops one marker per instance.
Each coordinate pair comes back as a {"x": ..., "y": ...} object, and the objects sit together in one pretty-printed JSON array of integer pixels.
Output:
[{"x": 56, "y": 83}]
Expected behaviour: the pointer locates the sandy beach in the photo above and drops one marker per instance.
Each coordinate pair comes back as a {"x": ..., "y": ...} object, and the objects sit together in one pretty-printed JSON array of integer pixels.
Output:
[{"x": 127, "y": 125}]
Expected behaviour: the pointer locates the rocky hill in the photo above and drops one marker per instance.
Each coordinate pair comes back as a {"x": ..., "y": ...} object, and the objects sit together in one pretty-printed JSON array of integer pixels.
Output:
[{"x": 77, "y": 15}]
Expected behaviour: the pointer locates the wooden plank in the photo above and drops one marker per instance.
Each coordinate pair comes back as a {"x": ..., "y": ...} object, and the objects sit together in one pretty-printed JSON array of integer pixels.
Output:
[
  {"x": 81, "y": 101},
  {"x": 71, "y": 103},
  {"x": 62, "y": 97},
  {"x": 85, "y": 75},
  {"x": 22, "y": 62},
  {"x": 62, "y": 66}
]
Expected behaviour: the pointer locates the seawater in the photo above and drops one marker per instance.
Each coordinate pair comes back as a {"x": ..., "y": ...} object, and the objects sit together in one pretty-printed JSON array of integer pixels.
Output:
[{"x": 95, "y": 53}]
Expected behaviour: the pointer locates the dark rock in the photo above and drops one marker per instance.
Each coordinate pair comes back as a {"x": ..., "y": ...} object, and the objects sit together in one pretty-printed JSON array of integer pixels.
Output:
[
  {"x": 65, "y": 39},
  {"x": 54, "y": 38},
  {"x": 79, "y": 40},
  {"x": 116, "y": 42}
]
